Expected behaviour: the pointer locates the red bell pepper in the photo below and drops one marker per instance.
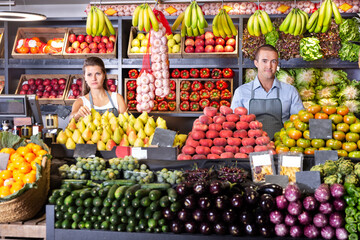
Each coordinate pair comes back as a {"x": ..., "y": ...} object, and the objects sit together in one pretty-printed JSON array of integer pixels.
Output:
[
  {"x": 221, "y": 85},
  {"x": 196, "y": 86},
  {"x": 171, "y": 96},
  {"x": 194, "y": 106},
  {"x": 172, "y": 85},
  {"x": 159, "y": 99},
  {"x": 184, "y": 96},
  {"x": 155, "y": 108},
  {"x": 194, "y": 96},
  {"x": 215, "y": 95},
  {"x": 163, "y": 106},
  {"x": 209, "y": 85},
  {"x": 215, "y": 105},
  {"x": 224, "y": 103},
  {"x": 133, "y": 73},
  {"x": 204, "y": 103},
  {"x": 228, "y": 73},
  {"x": 131, "y": 95},
  {"x": 132, "y": 105},
  {"x": 204, "y": 93},
  {"x": 175, "y": 73},
  {"x": 185, "y": 86},
  {"x": 172, "y": 105},
  {"x": 225, "y": 94},
  {"x": 216, "y": 73},
  {"x": 205, "y": 73},
  {"x": 194, "y": 73},
  {"x": 184, "y": 106},
  {"x": 131, "y": 85},
  {"x": 185, "y": 74}
]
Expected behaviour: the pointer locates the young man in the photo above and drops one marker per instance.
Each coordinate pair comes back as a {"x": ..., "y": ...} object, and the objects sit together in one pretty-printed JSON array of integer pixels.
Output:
[{"x": 269, "y": 99}]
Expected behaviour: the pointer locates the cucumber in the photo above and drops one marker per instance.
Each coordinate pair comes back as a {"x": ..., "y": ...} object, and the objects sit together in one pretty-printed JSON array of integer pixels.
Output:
[
  {"x": 159, "y": 186},
  {"x": 139, "y": 214},
  {"x": 142, "y": 224},
  {"x": 56, "y": 193},
  {"x": 65, "y": 193},
  {"x": 69, "y": 201},
  {"x": 120, "y": 211},
  {"x": 142, "y": 193},
  {"x": 75, "y": 181},
  {"x": 130, "y": 192},
  {"x": 97, "y": 202},
  {"x": 85, "y": 193},
  {"x": 164, "y": 201},
  {"x": 148, "y": 213},
  {"x": 130, "y": 211},
  {"x": 107, "y": 202},
  {"x": 120, "y": 192},
  {"x": 121, "y": 227},
  {"x": 145, "y": 202},
  {"x": 162, "y": 222},
  {"x": 52, "y": 199},
  {"x": 135, "y": 202},
  {"x": 103, "y": 192},
  {"x": 76, "y": 193},
  {"x": 155, "y": 206},
  {"x": 111, "y": 193},
  {"x": 94, "y": 191},
  {"x": 175, "y": 206},
  {"x": 172, "y": 194},
  {"x": 120, "y": 182},
  {"x": 157, "y": 215},
  {"x": 124, "y": 202},
  {"x": 152, "y": 223},
  {"x": 88, "y": 202},
  {"x": 154, "y": 195},
  {"x": 79, "y": 202},
  {"x": 73, "y": 186}
]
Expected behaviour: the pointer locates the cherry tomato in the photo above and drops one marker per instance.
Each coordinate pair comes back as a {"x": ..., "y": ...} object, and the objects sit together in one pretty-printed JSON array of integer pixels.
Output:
[
  {"x": 349, "y": 146},
  {"x": 293, "y": 117},
  {"x": 288, "y": 124},
  {"x": 321, "y": 115},
  {"x": 304, "y": 143},
  {"x": 349, "y": 119},
  {"x": 355, "y": 127},
  {"x": 314, "y": 109},
  {"x": 296, "y": 150},
  {"x": 355, "y": 154},
  {"x": 281, "y": 149},
  {"x": 342, "y": 153},
  {"x": 336, "y": 118},
  {"x": 294, "y": 133},
  {"x": 352, "y": 137},
  {"x": 342, "y": 110},
  {"x": 310, "y": 151},
  {"x": 329, "y": 109},
  {"x": 339, "y": 135},
  {"x": 306, "y": 116},
  {"x": 317, "y": 143},
  {"x": 344, "y": 127}
]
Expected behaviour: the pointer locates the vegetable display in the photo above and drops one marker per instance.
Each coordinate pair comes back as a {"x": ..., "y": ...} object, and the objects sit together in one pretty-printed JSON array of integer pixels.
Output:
[{"x": 310, "y": 49}]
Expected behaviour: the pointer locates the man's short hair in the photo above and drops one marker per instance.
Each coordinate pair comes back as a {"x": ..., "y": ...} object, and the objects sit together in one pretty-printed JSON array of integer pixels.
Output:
[{"x": 266, "y": 47}]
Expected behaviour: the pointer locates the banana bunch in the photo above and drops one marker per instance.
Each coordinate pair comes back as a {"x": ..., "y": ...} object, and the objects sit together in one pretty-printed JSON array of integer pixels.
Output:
[
  {"x": 192, "y": 21},
  {"x": 223, "y": 26},
  {"x": 259, "y": 23},
  {"x": 98, "y": 24},
  {"x": 144, "y": 18},
  {"x": 295, "y": 22},
  {"x": 320, "y": 20}
]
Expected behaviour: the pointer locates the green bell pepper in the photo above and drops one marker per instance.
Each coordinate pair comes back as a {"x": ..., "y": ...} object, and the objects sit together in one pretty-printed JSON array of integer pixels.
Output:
[
  {"x": 350, "y": 188},
  {"x": 350, "y": 220},
  {"x": 357, "y": 217},
  {"x": 350, "y": 211},
  {"x": 350, "y": 201},
  {"x": 351, "y": 228},
  {"x": 353, "y": 236}
]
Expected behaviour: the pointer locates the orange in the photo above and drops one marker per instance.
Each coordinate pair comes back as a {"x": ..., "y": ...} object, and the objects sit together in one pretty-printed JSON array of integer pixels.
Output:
[
  {"x": 35, "y": 148},
  {"x": 11, "y": 166},
  {"x": 16, "y": 187},
  {"x": 29, "y": 157},
  {"x": 6, "y": 174},
  {"x": 14, "y": 156},
  {"x": 25, "y": 167},
  {"x": 29, "y": 178},
  {"x": 7, "y": 150},
  {"x": 33, "y": 164},
  {"x": 18, "y": 177},
  {"x": 41, "y": 152},
  {"x": 23, "y": 150},
  {"x": 19, "y": 161},
  {"x": 4, "y": 191},
  {"x": 9, "y": 182},
  {"x": 1, "y": 182}
]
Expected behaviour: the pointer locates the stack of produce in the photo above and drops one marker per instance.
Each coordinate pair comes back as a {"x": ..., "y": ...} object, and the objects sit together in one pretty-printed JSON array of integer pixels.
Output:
[
  {"x": 259, "y": 23},
  {"x": 295, "y": 22},
  {"x": 44, "y": 87},
  {"x": 349, "y": 32},
  {"x": 144, "y": 18},
  {"x": 36, "y": 46},
  {"x": 316, "y": 215},
  {"x": 208, "y": 42},
  {"x": 251, "y": 43},
  {"x": 108, "y": 131},
  {"x": 352, "y": 214},
  {"x": 98, "y": 24},
  {"x": 295, "y": 136},
  {"x": 89, "y": 44},
  {"x": 225, "y": 135},
  {"x": 140, "y": 42},
  {"x": 224, "y": 27}
]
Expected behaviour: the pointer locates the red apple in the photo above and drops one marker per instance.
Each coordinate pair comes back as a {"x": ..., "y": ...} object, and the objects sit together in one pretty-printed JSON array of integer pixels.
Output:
[
  {"x": 54, "y": 81},
  {"x": 25, "y": 87},
  {"x": 231, "y": 42},
  {"x": 189, "y": 49},
  {"x": 61, "y": 92},
  {"x": 110, "y": 45},
  {"x": 55, "y": 87},
  {"x": 62, "y": 81},
  {"x": 41, "y": 88},
  {"x": 86, "y": 50},
  {"x": 30, "y": 92},
  {"x": 209, "y": 41},
  {"x": 70, "y": 50},
  {"x": 79, "y": 81},
  {"x": 62, "y": 86},
  {"x": 199, "y": 49},
  {"x": 228, "y": 48},
  {"x": 110, "y": 82},
  {"x": 112, "y": 88},
  {"x": 84, "y": 45},
  {"x": 220, "y": 41},
  {"x": 48, "y": 88},
  {"x": 47, "y": 82},
  {"x": 112, "y": 38},
  {"x": 193, "y": 38},
  {"x": 53, "y": 93},
  {"x": 199, "y": 42},
  {"x": 80, "y": 38},
  {"x": 75, "y": 44},
  {"x": 109, "y": 50},
  {"x": 39, "y": 94},
  {"x": 22, "y": 92},
  {"x": 202, "y": 36},
  {"x": 76, "y": 93},
  {"x": 78, "y": 50},
  {"x": 72, "y": 38},
  {"x": 189, "y": 42},
  {"x": 219, "y": 48},
  {"x": 209, "y": 48},
  {"x": 71, "y": 97},
  {"x": 51, "y": 96},
  {"x": 39, "y": 81},
  {"x": 105, "y": 39},
  {"x": 102, "y": 50},
  {"x": 32, "y": 87},
  {"x": 88, "y": 39},
  {"x": 101, "y": 45},
  {"x": 97, "y": 39},
  {"x": 46, "y": 95},
  {"x": 74, "y": 86},
  {"x": 209, "y": 35},
  {"x": 31, "y": 81},
  {"x": 93, "y": 45},
  {"x": 95, "y": 50}
]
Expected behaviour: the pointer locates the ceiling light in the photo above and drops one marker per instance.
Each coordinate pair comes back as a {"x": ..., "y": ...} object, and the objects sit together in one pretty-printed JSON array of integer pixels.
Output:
[{"x": 13, "y": 16}]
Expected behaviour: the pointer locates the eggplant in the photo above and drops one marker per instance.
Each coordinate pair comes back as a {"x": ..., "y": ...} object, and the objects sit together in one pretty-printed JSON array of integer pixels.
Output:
[
  {"x": 198, "y": 215},
  {"x": 262, "y": 218},
  {"x": 235, "y": 230},
  {"x": 190, "y": 227},
  {"x": 251, "y": 196},
  {"x": 199, "y": 188},
  {"x": 237, "y": 200},
  {"x": 267, "y": 231},
  {"x": 212, "y": 215},
  {"x": 250, "y": 229},
  {"x": 218, "y": 187},
  {"x": 272, "y": 189},
  {"x": 190, "y": 202},
  {"x": 229, "y": 215},
  {"x": 176, "y": 227},
  {"x": 204, "y": 203},
  {"x": 182, "y": 189},
  {"x": 183, "y": 215},
  {"x": 221, "y": 202},
  {"x": 205, "y": 228},
  {"x": 267, "y": 202},
  {"x": 220, "y": 228},
  {"x": 246, "y": 218},
  {"x": 168, "y": 214}
]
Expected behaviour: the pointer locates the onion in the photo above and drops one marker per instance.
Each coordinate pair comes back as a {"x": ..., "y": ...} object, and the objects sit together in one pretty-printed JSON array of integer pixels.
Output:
[
  {"x": 310, "y": 231},
  {"x": 281, "y": 230},
  {"x": 320, "y": 220},
  {"x": 336, "y": 220},
  {"x": 327, "y": 232}
]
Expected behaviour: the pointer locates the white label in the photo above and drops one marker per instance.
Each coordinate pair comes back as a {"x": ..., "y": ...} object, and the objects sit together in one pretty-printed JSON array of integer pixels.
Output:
[
  {"x": 291, "y": 161},
  {"x": 139, "y": 153},
  {"x": 261, "y": 160}
]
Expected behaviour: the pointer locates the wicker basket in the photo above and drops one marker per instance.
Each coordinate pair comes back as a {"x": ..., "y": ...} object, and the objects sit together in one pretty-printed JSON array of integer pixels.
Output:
[{"x": 28, "y": 204}]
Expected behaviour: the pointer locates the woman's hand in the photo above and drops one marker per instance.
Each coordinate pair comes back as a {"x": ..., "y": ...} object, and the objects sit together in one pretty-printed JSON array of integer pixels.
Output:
[{"x": 82, "y": 112}]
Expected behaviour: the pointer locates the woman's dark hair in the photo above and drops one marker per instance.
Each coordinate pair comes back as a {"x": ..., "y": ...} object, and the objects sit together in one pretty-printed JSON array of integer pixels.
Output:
[{"x": 93, "y": 61}]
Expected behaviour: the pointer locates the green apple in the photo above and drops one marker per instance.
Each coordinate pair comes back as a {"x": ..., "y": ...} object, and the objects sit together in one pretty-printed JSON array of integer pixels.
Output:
[
  {"x": 135, "y": 43},
  {"x": 171, "y": 42},
  {"x": 144, "y": 42},
  {"x": 143, "y": 49},
  {"x": 176, "y": 48},
  {"x": 140, "y": 36},
  {"x": 170, "y": 36},
  {"x": 177, "y": 37},
  {"x": 135, "y": 50}
]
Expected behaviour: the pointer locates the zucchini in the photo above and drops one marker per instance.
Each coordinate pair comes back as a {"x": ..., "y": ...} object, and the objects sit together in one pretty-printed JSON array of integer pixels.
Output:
[
  {"x": 52, "y": 199},
  {"x": 135, "y": 202},
  {"x": 120, "y": 192},
  {"x": 75, "y": 181},
  {"x": 172, "y": 194},
  {"x": 159, "y": 186},
  {"x": 139, "y": 214},
  {"x": 145, "y": 202},
  {"x": 130, "y": 192},
  {"x": 164, "y": 201},
  {"x": 85, "y": 193},
  {"x": 111, "y": 193},
  {"x": 148, "y": 213},
  {"x": 69, "y": 201},
  {"x": 76, "y": 193},
  {"x": 142, "y": 193},
  {"x": 103, "y": 192},
  {"x": 175, "y": 206},
  {"x": 94, "y": 191},
  {"x": 154, "y": 195},
  {"x": 120, "y": 182},
  {"x": 97, "y": 202},
  {"x": 157, "y": 215},
  {"x": 56, "y": 193},
  {"x": 155, "y": 206}
]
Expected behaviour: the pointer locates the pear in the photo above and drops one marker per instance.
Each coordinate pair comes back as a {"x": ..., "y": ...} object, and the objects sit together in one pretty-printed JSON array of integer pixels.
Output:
[
  {"x": 158, "y": 120},
  {"x": 126, "y": 115},
  {"x": 146, "y": 142},
  {"x": 70, "y": 144},
  {"x": 131, "y": 118},
  {"x": 80, "y": 141},
  {"x": 108, "y": 128},
  {"x": 149, "y": 130},
  {"x": 104, "y": 122},
  {"x": 100, "y": 146},
  {"x": 111, "y": 115},
  {"x": 131, "y": 123},
  {"x": 121, "y": 120},
  {"x": 91, "y": 126},
  {"x": 117, "y": 135},
  {"x": 96, "y": 136},
  {"x": 124, "y": 141},
  {"x": 76, "y": 135},
  {"x": 143, "y": 117},
  {"x": 138, "y": 124},
  {"x": 97, "y": 122},
  {"x": 86, "y": 135},
  {"x": 110, "y": 144},
  {"x": 105, "y": 115},
  {"x": 130, "y": 129},
  {"x": 90, "y": 142},
  {"x": 162, "y": 125},
  {"x": 61, "y": 137},
  {"x": 81, "y": 126},
  {"x": 132, "y": 138},
  {"x": 113, "y": 120},
  {"x": 141, "y": 134},
  {"x": 105, "y": 136},
  {"x": 152, "y": 122},
  {"x": 68, "y": 132},
  {"x": 151, "y": 138},
  {"x": 113, "y": 126},
  {"x": 125, "y": 126},
  {"x": 95, "y": 114},
  {"x": 72, "y": 125},
  {"x": 88, "y": 119},
  {"x": 139, "y": 143}
]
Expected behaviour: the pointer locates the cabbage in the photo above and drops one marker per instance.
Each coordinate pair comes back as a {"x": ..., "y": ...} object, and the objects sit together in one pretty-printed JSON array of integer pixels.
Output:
[
  {"x": 328, "y": 102},
  {"x": 350, "y": 92},
  {"x": 308, "y": 104},
  {"x": 353, "y": 105},
  {"x": 285, "y": 76},
  {"x": 250, "y": 74},
  {"x": 330, "y": 77},
  {"x": 326, "y": 92},
  {"x": 307, "y": 93},
  {"x": 306, "y": 77}
]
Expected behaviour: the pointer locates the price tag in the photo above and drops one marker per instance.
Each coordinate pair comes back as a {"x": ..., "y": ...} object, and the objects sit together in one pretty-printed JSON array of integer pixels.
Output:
[
  {"x": 85, "y": 150},
  {"x": 345, "y": 7},
  {"x": 4, "y": 158},
  {"x": 282, "y": 8},
  {"x": 322, "y": 156},
  {"x": 139, "y": 153},
  {"x": 308, "y": 181},
  {"x": 261, "y": 160},
  {"x": 281, "y": 180},
  {"x": 227, "y": 8},
  {"x": 291, "y": 161},
  {"x": 163, "y": 137},
  {"x": 320, "y": 128},
  {"x": 171, "y": 10}
]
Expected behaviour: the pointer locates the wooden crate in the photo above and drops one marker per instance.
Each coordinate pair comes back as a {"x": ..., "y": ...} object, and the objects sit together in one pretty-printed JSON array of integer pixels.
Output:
[
  {"x": 25, "y": 77},
  {"x": 132, "y": 35},
  {"x": 212, "y": 54},
  {"x": 34, "y": 228},
  {"x": 2, "y": 83},
  {"x": 72, "y": 80},
  {"x": 77, "y": 31},
  {"x": 2, "y": 43},
  {"x": 44, "y": 34}
]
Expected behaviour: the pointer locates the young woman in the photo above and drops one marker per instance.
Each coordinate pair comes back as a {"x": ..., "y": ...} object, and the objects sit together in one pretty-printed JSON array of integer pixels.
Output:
[{"x": 95, "y": 92}]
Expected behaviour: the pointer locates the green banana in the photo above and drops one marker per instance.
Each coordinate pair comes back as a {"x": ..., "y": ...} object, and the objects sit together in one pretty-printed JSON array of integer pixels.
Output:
[
  {"x": 135, "y": 17},
  {"x": 89, "y": 21},
  {"x": 95, "y": 22},
  {"x": 188, "y": 16},
  {"x": 189, "y": 32},
  {"x": 109, "y": 26},
  {"x": 194, "y": 16},
  {"x": 141, "y": 19},
  {"x": 201, "y": 30},
  {"x": 250, "y": 25},
  {"x": 337, "y": 15},
  {"x": 101, "y": 25},
  {"x": 153, "y": 19},
  {"x": 183, "y": 28},
  {"x": 303, "y": 23},
  {"x": 286, "y": 23},
  {"x": 220, "y": 26},
  {"x": 225, "y": 24},
  {"x": 234, "y": 30},
  {"x": 325, "y": 28},
  {"x": 214, "y": 26},
  {"x": 177, "y": 22},
  {"x": 298, "y": 24},
  {"x": 321, "y": 15},
  {"x": 312, "y": 19},
  {"x": 312, "y": 28},
  {"x": 201, "y": 17},
  {"x": 256, "y": 26},
  {"x": 267, "y": 21},
  {"x": 195, "y": 31},
  {"x": 292, "y": 25},
  {"x": 328, "y": 13},
  {"x": 146, "y": 18},
  {"x": 262, "y": 24},
  {"x": 305, "y": 15}
]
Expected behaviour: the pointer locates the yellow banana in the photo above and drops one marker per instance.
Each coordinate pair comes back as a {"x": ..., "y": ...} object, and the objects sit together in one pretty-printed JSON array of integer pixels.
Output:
[
  {"x": 153, "y": 19},
  {"x": 201, "y": 17},
  {"x": 325, "y": 28},
  {"x": 305, "y": 15},
  {"x": 141, "y": 19},
  {"x": 262, "y": 24},
  {"x": 214, "y": 26},
  {"x": 109, "y": 26},
  {"x": 225, "y": 24},
  {"x": 250, "y": 25},
  {"x": 303, "y": 24},
  {"x": 177, "y": 22},
  {"x": 194, "y": 16},
  {"x": 220, "y": 26},
  {"x": 293, "y": 23},
  {"x": 105, "y": 32},
  {"x": 183, "y": 28},
  {"x": 312, "y": 28},
  {"x": 286, "y": 23},
  {"x": 328, "y": 13},
  {"x": 231, "y": 25},
  {"x": 95, "y": 23},
  {"x": 321, "y": 15},
  {"x": 267, "y": 21},
  {"x": 298, "y": 25},
  {"x": 146, "y": 18},
  {"x": 189, "y": 32},
  {"x": 135, "y": 17},
  {"x": 312, "y": 19},
  {"x": 201, "y": 30},
  {"x": 89, "y": 21},
  {"x": 256, "y": 26},
  {"x": 101, "y": 25},
  {"x": 337, "y": 15},
  {"x": 188, "y": 16}
]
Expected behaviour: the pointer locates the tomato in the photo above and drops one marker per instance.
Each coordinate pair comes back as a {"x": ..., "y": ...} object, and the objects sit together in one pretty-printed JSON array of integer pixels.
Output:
[
  {"x": 349, "y": 119},
  {"x": 344, "y": 127},
  {"x": 355, "y": 127},
  {"x": 321, "y": 115},
  {"x": 306, "y": 135},
  {"x": 342, "y": 153},
  {"x": 317, "y": 143},
  {"x": 289, "y": 142},
  {"x": 293, "y": 117},
  {"x": 288, "y": 124},
  {"x": 352, "y": 137},
  {"x": 333, "y": 127},
  {"x": 336, "y": 118},
  {"x": 36, "y": 39},
  {"x": 338, "y": 135},
  {"x": 325, "y": 149},
  {"x": 306, "y": 116},
  {"x": 277, "y": 142},
  {"x": 277, "y": 136},
  {"x": 355, "y": 154},
  {"x": 296, "y": 150},
  {"x": 329, "y": 109},
  {"x": 304, "y": 143},
  {"x": 314, "y": 109},
  {"x": 299, "y": 125},
  {"x": 358, "y": 144},
  {"x": 281, "y": 149},
  {"x": 342, "y": 110},
  {"x": 310, "y": 151},
  {"x": 333, "y": 144},
  {"x": 349, "y": 146},
  {"x": 294, "y": 133},
  {"x": 303, "y": 111}
]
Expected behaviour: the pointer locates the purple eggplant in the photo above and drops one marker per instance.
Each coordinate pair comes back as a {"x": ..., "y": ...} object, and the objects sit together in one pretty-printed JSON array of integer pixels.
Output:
[
  {"x": 176, "y": 227},
  {"x": 190, "y": 227},
  {"x": 237, "y": 200},
  {"x": 235, "y": 230},
  {"x": 322, "y": 193},
  {"x": 326, "y": 208},
  {"x": 250, "y": 229},
  {"x": 221, "y": 202},
  {"x": 218, "y": 187},
  {"x": 310, "y": 231},
  {"x": 336, "y": 220},
  {"x": 220, "y": 228},
  {"x": 341, "y": 234},
  {"x": 184, "y": 215},
  {"x": 267, "y": 231},
  {"x": 272, "y": 189},
  {"x": 168, "y": 214},
  {"x": 251, "y": 196},
  {"x": 246, "y": 218},
  {"x": 276, "y": 217},
  {"x": 339, "y": 204},
  {"x": 213, "y": 215},
  {"x": 295, "y": 208},
  {"x": 190, "y": 202},
  {"x": 262, "y": 218},
  {"x": 296, "y": 231},
  {"x": 204, "y": 203},
  {"x": 205, "y": 228},
  {"x": 327, "y": 232},
  {"x": 337, "y": 190},
  {"x": 229, "y": 215},
  {"x": 305, "y": 218},
  {"x": 281, "y": 230},
  {"x": 310, "y": 203},
  {"x": 281, "y": 202},
  {"x": 200, "y": 188},
  {"x": 267, "y": 202},
  {"x": 320, "y": 220},
  {"x": 290, "y": 220},
  {"x": 182, "y": 189},
  {"x": 292, "y": 192},
  {"x": 198, "y": 215}
]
